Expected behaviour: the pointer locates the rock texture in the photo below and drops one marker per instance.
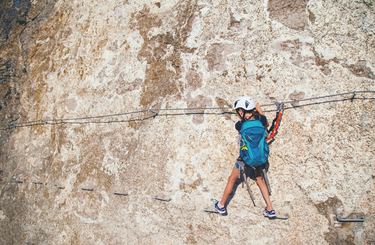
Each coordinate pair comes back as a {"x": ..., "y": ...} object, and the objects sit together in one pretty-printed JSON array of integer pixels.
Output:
[{"x": 82, "y": 59}]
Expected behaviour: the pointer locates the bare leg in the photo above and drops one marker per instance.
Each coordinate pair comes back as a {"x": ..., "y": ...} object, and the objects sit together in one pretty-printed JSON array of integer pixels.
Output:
[
  {"x": 228, "y": 189},
  {"x": 263, "y": 188}
]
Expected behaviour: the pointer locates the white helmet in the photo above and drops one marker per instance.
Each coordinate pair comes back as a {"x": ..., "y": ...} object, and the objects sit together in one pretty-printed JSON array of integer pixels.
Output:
[{"x": 246, "y": 103}]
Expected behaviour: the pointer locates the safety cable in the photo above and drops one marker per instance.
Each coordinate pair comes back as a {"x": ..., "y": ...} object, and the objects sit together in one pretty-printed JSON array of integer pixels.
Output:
[{"x": 89, "y": 120}]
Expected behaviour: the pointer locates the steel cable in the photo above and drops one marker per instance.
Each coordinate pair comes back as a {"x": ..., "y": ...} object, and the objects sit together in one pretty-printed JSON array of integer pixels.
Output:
[{"x": 91, "y": 119}]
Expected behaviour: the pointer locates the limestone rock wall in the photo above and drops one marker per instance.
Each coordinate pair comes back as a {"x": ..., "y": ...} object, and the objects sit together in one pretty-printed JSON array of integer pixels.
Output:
[{"x": 82, "y": 59}]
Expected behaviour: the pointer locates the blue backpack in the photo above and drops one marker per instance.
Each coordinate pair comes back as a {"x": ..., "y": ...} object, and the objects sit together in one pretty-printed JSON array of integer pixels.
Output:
[{"x": 254, "y": 149}]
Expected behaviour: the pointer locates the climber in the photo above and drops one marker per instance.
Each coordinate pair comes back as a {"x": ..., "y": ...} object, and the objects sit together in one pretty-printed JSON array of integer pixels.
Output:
[{"x": 247, "y": 111}]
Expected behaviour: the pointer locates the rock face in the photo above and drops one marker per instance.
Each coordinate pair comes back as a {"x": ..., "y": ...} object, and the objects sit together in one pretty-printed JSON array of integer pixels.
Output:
[{"x": 71, "y": 70}]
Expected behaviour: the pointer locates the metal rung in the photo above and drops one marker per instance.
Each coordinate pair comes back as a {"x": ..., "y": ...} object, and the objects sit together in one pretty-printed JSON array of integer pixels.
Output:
[
  {"x": 210, "y": 211},
  {"x": 351, "y": 220},
  {"x": 120, "y": 194},
  {"x": 162, "y": 199},
  {"x": 37, "y": 183}
]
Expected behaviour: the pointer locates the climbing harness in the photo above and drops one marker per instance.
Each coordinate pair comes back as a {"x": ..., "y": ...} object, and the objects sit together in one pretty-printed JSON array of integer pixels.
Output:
[
  {"x": 243, "y": 173},
  {"x": 276, "y": 123}
]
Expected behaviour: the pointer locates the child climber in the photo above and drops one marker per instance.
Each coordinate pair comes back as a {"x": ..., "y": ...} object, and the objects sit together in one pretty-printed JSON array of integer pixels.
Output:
[{"x": 247, "y": 110}]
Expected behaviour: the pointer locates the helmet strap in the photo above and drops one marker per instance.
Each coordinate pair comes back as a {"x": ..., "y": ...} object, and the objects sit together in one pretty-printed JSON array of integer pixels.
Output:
[
  {"x": 252, "y": 112},
  {"x": 243, "y": 116}
]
